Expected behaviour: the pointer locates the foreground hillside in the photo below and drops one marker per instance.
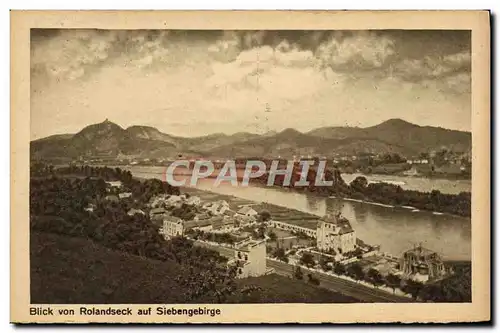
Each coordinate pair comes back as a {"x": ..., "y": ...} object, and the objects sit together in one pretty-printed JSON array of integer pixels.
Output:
[{"x": 69, "y": 270}]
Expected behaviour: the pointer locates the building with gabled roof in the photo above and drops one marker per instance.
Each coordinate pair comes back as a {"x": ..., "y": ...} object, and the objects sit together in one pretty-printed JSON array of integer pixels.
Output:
[
  {"x": 217, "y": 207},
  {"x": 124, "y": 195},
  {"x": 334, "y": 232},
  {"x": 157, "y": 214},
  {"x": 114, "y": 183},
  {"x": 134, "y": 211},
  {"x": 223, "y": 225},
  {"x": 247, "y": 211},
  {"x": 112, "y": 198}
]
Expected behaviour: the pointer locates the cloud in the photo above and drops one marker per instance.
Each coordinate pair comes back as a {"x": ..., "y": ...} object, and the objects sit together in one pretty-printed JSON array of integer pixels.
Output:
[
  {"x": 246, "y": 59},
  {"x": 359, "y": 50},
  {"x": 259, "y": 59},
  {"x": 72, "y": 53},
  {"x": 283, "y": 71},
  {"x": 67, "y": 54},
  {"x": 434, "y": 66},
  {"x": 458, "y": 83},
  {"x": 233, "y": 43},
  {"x": 450, "y": 72}
]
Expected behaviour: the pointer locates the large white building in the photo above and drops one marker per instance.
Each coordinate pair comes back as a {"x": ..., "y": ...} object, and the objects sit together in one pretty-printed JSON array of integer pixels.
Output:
[
  {"x": 334, "y": 232},
  {"x": 250, "y": 258},
  {"x": 173, "y": 226}
]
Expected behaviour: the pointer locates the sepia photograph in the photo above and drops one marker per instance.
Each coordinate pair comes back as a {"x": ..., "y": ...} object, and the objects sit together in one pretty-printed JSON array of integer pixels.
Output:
[{"x": 205, "y": 167}]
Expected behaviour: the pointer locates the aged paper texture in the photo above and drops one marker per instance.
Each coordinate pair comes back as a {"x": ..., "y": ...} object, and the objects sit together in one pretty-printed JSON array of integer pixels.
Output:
[{"x": 250, "y": 167}]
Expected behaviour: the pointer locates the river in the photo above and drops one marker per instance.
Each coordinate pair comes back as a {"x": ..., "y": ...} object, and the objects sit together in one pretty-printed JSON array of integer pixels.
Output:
[{"x": 394, "y": 229}]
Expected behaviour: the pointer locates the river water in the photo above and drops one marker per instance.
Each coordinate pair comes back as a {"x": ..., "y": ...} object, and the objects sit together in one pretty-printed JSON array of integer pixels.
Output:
[{"x": 394, "y": 229}]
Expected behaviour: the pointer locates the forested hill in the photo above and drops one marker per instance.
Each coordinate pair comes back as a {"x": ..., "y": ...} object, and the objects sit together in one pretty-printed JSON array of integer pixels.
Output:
[{"x": 109, "y": 140}]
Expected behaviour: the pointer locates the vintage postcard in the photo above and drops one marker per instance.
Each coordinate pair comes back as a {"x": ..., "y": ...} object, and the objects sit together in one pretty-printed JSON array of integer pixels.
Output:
[{"x": 250, "y": 167}]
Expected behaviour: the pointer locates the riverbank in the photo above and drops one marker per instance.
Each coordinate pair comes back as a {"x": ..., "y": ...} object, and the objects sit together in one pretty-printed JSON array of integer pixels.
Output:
[
  {"x": 318, "y": 195},
  {"x": 383, "y": 192},
  {"x": 345, "y": 171},
  {"x": 361, "y": 201},
  {"x": 386, "y": 194},
  {"x": 375, "y": 191},
  {"x": 373, "y": 223}
]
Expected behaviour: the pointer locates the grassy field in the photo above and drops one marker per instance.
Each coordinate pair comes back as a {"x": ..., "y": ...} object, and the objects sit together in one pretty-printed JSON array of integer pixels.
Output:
[
  {"x": 74, "y": 270},
  {"x": 280, "y": 289},
  {"x": 68, "y": 270}
]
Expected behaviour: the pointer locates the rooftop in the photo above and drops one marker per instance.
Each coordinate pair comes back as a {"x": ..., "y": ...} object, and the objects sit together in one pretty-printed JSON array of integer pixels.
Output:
[
  {"x": 217, "y": 220},
  {"x": 246, "y": 209},
  {"x": 221, "y": 222},
  {"x": 135, "y": 211},
  {"x": 158, "y": 210},
  {"x": 173, "y": 219},
  {"x": 420, "y": 251},
  {"x": 341, "y": 222},
  {"x": 247, "y": 244}
]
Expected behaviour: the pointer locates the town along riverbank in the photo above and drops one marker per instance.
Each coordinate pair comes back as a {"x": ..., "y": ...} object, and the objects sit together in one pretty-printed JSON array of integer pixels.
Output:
[{"x": 395, "y": 229}]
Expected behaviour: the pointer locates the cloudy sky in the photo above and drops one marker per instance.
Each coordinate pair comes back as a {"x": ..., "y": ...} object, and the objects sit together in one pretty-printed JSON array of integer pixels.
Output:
[{"x": 192, "y": 83}]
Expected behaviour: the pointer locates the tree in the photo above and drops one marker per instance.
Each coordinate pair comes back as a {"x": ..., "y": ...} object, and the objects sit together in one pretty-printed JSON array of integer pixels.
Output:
[
  {"x": 339, "y": 269},
  {"x": 298, "y": 273},
  {"x": 432, "y": 292},
  {"x": 311, "y": 279},
  {"x": 359, "y": 184},
  {"x": 264, "y": 216},
  {"x": 307, "y": 259},
  {"x": 424, "y": 156},
  {"x": 272, "y": 236},
  {"x": 279, "y": 253},
  {"x": 324, "y": 264},
  {"x": 355, "y": 271},
  {"x": 259, "y": 233},
  {"x": 375, "y": 277},
  {"x": 393, "y": 281},
  {"x": 413, "y": 288}
]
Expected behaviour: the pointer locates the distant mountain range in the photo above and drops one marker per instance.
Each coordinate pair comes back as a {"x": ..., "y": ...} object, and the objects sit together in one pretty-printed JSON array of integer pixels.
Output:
[{"x": 107, "y": 139}]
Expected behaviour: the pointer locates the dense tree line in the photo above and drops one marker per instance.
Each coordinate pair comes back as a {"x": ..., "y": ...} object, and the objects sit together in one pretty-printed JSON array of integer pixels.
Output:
[
  {"x": 458, "y": 204},
  {"x": 390, "y": 194},
  {"x": 185, "y": 212},
  {"x": 221, "y": 238},
  {"x": 279, "y": 253},
  {"x": 455, "y": 288}
]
